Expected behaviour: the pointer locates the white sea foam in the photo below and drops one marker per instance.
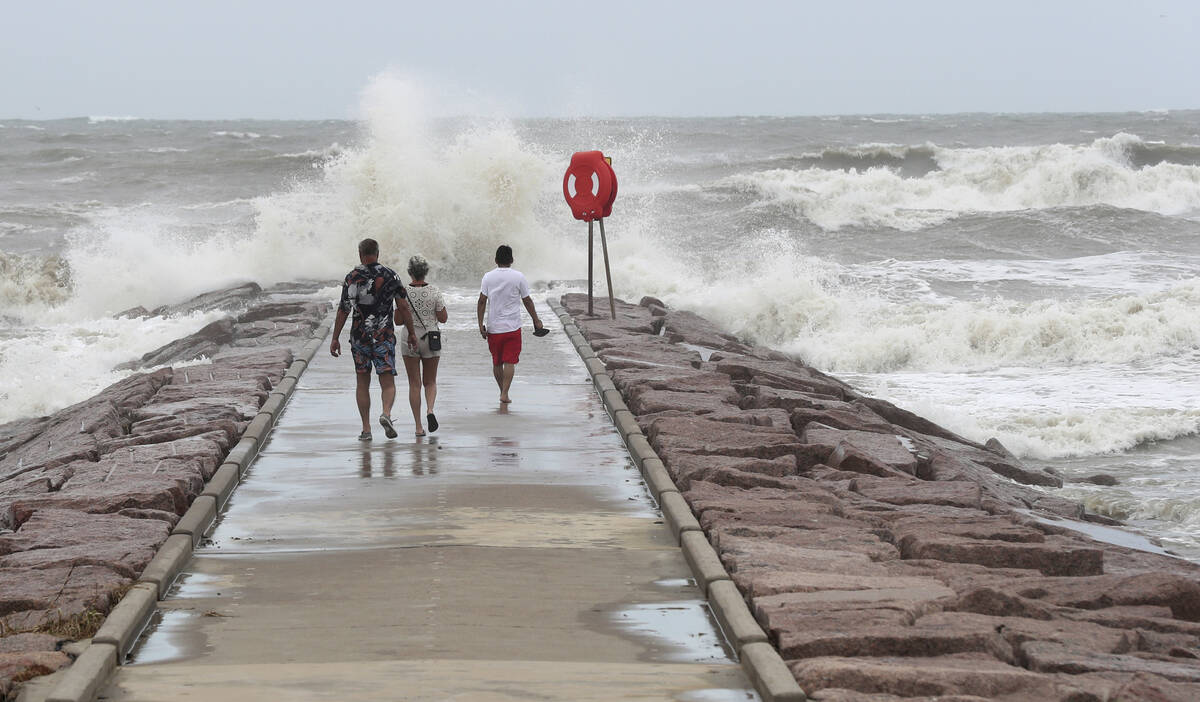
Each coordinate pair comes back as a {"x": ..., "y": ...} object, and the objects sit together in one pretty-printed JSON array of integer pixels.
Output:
[
  {"x": 237, "y": 135},
  {"x": 995, "y": 179},
  {"x": 55, "y": 365},
  {"x": 1055, "y": 412},
  {"x": 96, "y": 119},
  {"x": 77, "y": 178},
  {"x": 1115, "y": 273},
  {"x": 330, "y": 151},
  {"x": 849, "y": 331}
]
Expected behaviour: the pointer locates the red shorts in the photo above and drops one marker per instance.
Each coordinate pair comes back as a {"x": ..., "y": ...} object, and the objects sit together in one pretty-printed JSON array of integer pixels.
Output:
[{"x": 506, "y": 347}]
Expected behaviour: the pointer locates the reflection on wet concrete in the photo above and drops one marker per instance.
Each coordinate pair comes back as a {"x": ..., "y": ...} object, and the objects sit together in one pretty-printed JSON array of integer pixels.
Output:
[
  {"x": 170, "y": 636},
  {"x": 677, "y": 632},
  {"x": 394, "y": 459},
  {"x": 717, "y": 695}
]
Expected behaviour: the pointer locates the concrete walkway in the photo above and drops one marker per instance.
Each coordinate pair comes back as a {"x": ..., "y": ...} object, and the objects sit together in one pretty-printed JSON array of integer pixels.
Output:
[{"x": 514, "y": 555}]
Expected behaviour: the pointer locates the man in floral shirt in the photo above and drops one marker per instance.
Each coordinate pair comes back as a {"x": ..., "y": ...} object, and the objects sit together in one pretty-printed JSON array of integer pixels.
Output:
[{"x": 368, "y": 293}]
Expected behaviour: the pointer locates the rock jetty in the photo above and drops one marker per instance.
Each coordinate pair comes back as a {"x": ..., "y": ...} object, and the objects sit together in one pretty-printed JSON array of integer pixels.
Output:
[
  {"x": 88, "y": 494},
  {"x": 886, "y": 557}
]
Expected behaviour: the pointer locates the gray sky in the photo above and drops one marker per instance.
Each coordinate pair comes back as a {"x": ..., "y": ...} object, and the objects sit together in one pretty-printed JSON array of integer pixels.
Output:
[{"x": 311, "y": 59}]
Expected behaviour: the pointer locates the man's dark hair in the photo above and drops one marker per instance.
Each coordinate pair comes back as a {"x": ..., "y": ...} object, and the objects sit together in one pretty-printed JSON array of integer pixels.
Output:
[
  {"x": 504, "y": 255},
  {"x": 368, "y": 247}
]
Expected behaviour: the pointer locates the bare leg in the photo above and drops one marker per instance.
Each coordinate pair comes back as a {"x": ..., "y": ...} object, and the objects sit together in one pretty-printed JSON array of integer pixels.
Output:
[
  {"x": 508, "y": 370},
  {"x": 387, "y": 383},
  {"x": 429, "y": 368},
  {"x": 362, "y": 394},
  {"x": 496, "y": 372},
  {"x": 413, "y": 367}
]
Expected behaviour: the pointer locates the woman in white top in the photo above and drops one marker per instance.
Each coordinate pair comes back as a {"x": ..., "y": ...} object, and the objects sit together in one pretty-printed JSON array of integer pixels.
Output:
[{"x": 422, "y": 363}]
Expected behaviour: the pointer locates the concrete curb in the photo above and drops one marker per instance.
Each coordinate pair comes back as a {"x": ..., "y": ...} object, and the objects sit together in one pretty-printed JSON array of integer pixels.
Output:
[
  {"x": 127, "y": 620},
  {"x": 657, "y": 478},
  {"x": 626, "y": 424},
  {"x": 222, "y": 484},
  {"x": 197, "y": 519},
  {"x": 172, "y": 556},
  {"x": 702, "y": 558},
  {"x": 258, "y": 428},
  {"x": 678, "y": 514},
  {"x": 730, "y": 609},
  {"x": 762, "y": 663},
  {"x": 770, "y": 674},
  {"x": 125, "y": 623},
  {"x": 242, "y": 454},
  {"x": 83, "y": 679}
]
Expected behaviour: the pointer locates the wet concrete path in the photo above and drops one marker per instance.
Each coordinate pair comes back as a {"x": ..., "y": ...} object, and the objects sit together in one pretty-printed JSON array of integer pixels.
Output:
[{"x": 513, "y": 555}]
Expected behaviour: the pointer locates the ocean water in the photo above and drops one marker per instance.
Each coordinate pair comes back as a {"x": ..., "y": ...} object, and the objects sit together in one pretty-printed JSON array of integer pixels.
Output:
[{"x": 1032, "y": 278}]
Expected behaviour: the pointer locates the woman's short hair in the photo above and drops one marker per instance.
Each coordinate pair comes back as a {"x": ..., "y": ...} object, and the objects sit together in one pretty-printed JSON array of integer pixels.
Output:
[{"x": 418, "y": 267}]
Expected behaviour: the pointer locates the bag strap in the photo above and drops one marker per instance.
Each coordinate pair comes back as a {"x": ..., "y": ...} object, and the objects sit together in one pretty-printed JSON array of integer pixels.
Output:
[{"x": 414, "y": 309}]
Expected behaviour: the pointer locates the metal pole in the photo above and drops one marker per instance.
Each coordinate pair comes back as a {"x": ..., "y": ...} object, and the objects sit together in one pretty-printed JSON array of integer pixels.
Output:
[
  {"x": 590, "y": 246},
  {"x": 612, "y": 306}
]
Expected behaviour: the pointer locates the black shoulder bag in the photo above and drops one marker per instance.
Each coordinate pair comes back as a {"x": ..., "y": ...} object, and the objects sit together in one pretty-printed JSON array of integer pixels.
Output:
[{"x": 434, "y": 337}]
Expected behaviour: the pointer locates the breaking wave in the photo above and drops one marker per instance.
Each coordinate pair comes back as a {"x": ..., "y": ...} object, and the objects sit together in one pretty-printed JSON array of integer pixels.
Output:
[
  {"x": 451, "y": 199},
  {"x": 844, "y": 328},
  {"x": 832, "y": 192}
]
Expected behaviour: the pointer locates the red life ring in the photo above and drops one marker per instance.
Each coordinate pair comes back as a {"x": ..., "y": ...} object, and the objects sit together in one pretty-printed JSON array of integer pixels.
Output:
[{"x": 590, "y": 185}]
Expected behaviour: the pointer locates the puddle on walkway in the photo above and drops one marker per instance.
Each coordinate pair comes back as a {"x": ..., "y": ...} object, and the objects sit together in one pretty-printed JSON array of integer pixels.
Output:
[
  {"x": 717, "y": 695},
  {"x": 171, "y": 635},
  {"x": 682, "y": 631}
]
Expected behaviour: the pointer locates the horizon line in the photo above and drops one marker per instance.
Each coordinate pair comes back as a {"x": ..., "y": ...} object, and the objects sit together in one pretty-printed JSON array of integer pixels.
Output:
[{"x": 934, "y": 113}]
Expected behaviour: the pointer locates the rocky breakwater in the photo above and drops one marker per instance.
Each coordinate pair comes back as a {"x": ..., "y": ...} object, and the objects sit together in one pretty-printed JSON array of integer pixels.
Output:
[
  {"x": 88, "y": 494},
  {"x": 885, "y": 557}
]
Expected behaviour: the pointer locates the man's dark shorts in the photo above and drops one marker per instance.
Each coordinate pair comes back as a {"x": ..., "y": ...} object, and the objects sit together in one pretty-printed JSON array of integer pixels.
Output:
[{"x": 377, "y": 352}]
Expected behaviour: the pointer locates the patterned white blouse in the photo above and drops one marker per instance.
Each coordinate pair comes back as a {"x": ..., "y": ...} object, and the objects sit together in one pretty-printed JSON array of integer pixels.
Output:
[{"x": 427, "y": 301}]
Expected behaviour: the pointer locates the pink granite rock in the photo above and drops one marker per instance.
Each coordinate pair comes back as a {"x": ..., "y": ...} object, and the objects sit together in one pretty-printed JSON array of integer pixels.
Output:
[
  {"x": 985, "y": 600},
  {"x": 1053, "y": 557},
  {"x": 701, "y": 436},
  {"x": 1180, "y": 594},
  {"x": 683, "y": 379},
  {"x": 58, "y": 537},
  {"x": 21, "y": 666},
  {"x": 649, "y": 401},
  {"x": 32, "y": 596},
  {"x": 1053, "y": 657},
  {"x": 779, "y": 375},
  {"x": 686, "y": 467},
  {"x": 897, "y": 491},
  {"x": 941, "y": 677}
]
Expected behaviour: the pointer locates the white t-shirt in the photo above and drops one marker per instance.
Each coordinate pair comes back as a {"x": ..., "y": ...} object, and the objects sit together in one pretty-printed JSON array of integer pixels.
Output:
[{"x": 504, "y": 288}]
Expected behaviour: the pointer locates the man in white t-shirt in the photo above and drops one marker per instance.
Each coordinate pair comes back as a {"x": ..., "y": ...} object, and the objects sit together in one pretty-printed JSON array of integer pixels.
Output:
[{"x": 502, "y": 293}]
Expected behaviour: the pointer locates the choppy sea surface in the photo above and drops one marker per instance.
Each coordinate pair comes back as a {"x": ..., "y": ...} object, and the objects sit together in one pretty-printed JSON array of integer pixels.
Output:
[{"x": 1032, "y": 278}]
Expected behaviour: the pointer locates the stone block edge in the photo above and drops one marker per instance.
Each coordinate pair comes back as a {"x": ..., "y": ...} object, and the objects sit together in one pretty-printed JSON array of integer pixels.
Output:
[{"x": 760, "y": 660}]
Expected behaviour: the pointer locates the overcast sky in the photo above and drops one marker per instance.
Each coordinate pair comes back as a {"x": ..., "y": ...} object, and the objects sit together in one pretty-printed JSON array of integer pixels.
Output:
[{"x": 311, "y": 59}]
